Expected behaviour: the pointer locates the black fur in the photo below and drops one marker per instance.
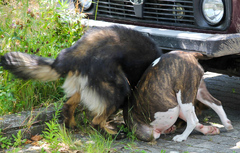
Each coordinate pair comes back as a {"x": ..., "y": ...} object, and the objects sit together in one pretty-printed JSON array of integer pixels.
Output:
[{"x": 134, "y": 53}]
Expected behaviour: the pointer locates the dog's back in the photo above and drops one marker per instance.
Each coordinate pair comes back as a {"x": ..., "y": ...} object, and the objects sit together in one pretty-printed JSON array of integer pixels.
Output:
[{"x": 102, "y": 50}]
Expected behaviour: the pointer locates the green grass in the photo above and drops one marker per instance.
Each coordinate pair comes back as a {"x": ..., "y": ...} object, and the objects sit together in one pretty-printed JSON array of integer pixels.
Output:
[{"x": 34, "y": 27}]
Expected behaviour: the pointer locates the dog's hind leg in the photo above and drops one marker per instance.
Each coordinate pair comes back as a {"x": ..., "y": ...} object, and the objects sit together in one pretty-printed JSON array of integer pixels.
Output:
[
  {"x": 206, "y": 130},
  {"x": 206, "y": 98},
  {"x": 69, "y": 109},
  {"x": 189, "y": 113}
]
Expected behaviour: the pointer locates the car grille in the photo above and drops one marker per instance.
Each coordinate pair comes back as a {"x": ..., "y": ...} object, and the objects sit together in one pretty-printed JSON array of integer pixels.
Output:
[{"x": 163, "y": 12}]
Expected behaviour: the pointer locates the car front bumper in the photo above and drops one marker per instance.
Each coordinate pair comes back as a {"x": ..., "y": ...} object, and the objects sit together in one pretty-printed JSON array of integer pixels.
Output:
[{"x": 212, "y": 45}]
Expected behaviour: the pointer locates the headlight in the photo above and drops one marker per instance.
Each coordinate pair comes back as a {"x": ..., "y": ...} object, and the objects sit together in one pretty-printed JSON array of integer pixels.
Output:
[
  {"x": 213, "y": 10},
  {"x": 86, "y": 4}
]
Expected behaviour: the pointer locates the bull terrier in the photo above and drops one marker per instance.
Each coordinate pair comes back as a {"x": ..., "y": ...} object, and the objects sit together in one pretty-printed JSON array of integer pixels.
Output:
[{"x": 166, "y": 91}]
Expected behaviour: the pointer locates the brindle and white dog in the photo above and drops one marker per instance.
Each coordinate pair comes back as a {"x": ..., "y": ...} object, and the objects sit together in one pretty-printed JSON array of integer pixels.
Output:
[{"x": 166, "y": 91}]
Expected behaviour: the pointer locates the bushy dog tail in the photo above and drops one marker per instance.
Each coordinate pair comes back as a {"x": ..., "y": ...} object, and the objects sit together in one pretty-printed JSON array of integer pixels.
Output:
[{"x": 27, "y": 66}]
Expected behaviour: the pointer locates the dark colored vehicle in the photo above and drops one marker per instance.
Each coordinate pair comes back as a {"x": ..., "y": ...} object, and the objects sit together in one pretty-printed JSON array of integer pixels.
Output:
[{"x": 211, "y": 27}]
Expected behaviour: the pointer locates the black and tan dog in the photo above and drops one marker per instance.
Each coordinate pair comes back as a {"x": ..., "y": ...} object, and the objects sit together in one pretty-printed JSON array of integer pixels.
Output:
[
  {"x": 100, "y": 70},
  {"x": 166, "y": 91}
]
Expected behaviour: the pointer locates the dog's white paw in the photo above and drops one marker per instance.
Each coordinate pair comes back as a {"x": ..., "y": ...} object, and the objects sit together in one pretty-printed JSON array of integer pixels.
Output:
[
  {"x": 228, "y": 125},
  {"x": 207, "y": 130},
  {"x": 179, "y": 138}
]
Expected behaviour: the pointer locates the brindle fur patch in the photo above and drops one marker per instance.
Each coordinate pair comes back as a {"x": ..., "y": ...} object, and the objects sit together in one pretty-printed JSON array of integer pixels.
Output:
[{"x": 207, "y": 95}]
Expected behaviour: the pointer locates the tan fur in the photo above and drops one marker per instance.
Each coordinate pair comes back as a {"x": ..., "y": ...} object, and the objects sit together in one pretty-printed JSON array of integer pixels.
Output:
[
  {"x": 107, "y": 85},
  {"x": 71, "y": 105},
  {"x": 87, "y": 44},
  {"x": 102, "y": 120},
  {"x": 102, "y": 34},
  {"x": 40, "y": 73}
]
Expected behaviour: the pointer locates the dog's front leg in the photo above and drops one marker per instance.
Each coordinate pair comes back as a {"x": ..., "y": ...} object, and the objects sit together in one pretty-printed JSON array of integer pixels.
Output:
[{"x": 188, "y": 112}]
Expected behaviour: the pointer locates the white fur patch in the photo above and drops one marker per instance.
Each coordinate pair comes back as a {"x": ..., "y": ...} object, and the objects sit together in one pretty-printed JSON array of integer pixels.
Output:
[
  {"x": 189, "y": 113},
  {"x": 89, "y": 97},
  {"x": 155, "y": 61},
  {"x": 164, "y": 120},
  {"x": 93, "y": 101},
  {"x": 74, "y": 84},
  {"x": 221, "y": 113}
]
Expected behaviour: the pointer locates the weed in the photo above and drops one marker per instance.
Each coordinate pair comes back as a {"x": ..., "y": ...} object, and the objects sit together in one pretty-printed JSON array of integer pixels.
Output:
[
  {"x": 51, "y": 133},
  {"x": 206, "y": 119},
  {"x": 63, "y": 4},
  {"x": 98, "y": 143},
  {"x": 43, "y": 151},
  {"x": 57, "y": 108},
  {"x": 14, "y": 150},
  {"x": 129, "y": 147},
  {"x": 130, "y": 133},
  {"x": 18, "y": 141},
  {"x": 66, "y": 137},
  {"x": 5, "y": 142}
]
